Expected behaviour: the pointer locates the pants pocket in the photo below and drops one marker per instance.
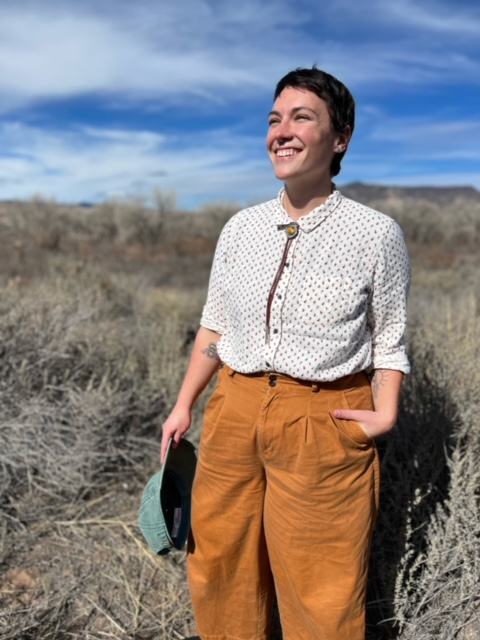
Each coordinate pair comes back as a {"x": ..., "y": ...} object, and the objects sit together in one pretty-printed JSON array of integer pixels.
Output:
[
  {"x": 214, "y": 408},
  {"x": 355, "y": 398}
]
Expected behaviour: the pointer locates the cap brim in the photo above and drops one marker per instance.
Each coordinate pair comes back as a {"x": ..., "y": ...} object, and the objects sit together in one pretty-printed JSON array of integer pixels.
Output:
[
  {"x": 175, "y": 477},
  {"x": 182, "y": 461}
]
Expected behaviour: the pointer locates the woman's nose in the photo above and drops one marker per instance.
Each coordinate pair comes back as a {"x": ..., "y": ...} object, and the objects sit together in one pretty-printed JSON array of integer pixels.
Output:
[{"x": 283, "y": 131}]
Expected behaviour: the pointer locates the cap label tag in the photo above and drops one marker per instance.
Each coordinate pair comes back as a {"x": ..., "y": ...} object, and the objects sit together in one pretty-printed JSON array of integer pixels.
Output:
[{"x": 177, "y": 519}]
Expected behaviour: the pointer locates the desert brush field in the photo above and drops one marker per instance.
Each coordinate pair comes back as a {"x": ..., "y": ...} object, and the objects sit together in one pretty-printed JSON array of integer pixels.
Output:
[{"x": 98, "y": 310}]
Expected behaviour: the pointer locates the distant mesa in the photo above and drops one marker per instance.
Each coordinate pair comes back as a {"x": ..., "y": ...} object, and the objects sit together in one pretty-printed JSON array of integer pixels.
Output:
[
  {"x": 440, "y": 195},
  {"x": 361, "y": 191}
]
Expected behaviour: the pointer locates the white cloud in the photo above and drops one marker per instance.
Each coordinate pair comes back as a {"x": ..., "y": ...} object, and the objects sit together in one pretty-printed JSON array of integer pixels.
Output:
[
  {"x": 162, "y": 50},
  {"x": 439, "y": 17},
  {"x": 140, "y": 50},
  {"x": 442, "y": 140},
  {"x": 89, "y": 163},
  {"x": 219, "y": 57}
]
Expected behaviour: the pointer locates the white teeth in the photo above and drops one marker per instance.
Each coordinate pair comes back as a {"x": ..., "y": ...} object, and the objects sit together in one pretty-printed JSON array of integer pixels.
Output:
[{"x": 286, "y": 152}]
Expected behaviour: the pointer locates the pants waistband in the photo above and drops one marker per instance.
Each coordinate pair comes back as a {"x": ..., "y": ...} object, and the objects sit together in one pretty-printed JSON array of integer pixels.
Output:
[{"x": 346, "y": 382}]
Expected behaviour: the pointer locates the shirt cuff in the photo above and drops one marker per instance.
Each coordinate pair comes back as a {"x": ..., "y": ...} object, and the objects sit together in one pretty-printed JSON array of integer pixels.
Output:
[
  {"x": 212, "y": 325},
  {"x": 396, "y": 362}
]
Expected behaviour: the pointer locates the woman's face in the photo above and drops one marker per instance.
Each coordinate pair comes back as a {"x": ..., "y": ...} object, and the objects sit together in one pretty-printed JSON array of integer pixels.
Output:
[{"x": 301, "y": 141}]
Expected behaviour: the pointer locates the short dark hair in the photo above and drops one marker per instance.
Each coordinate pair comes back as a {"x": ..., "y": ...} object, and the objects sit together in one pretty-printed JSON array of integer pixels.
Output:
[{"x": 339, "y": 100}]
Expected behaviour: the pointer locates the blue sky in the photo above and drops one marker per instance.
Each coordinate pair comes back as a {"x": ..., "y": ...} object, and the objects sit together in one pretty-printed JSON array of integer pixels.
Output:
[{"x": 105, "y": 99}]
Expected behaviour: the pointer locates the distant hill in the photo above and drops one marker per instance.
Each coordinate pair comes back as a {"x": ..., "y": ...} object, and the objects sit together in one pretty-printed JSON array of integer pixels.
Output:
[
  {"x": 439, "y": 195},
  {"x": 363, "y": 192}
]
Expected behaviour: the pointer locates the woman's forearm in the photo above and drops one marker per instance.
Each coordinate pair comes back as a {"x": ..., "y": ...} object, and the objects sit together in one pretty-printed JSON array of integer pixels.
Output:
[
  {"x": 204, "y": 361},
  {"x": 386, "y": 384}
]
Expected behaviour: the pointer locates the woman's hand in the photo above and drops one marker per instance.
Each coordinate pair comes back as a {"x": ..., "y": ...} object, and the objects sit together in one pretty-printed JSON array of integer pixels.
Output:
[
  {"x": 374, "y": 423},
  {"x": 204, "y": 361},
  {"x": 385, "y": 385},
  {"x": 175, "y": 426}
]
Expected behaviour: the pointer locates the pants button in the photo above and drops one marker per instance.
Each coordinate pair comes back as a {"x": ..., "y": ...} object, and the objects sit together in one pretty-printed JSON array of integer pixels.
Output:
[{"x": 272, "y": 381}]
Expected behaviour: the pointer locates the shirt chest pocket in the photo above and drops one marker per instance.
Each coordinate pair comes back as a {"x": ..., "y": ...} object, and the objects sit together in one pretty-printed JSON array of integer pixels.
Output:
[{"x": 331, "y": 300}]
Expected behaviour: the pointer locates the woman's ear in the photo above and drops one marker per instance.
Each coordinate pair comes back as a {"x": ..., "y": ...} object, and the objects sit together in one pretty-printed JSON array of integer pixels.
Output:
[{"x": 343, "y": 139}]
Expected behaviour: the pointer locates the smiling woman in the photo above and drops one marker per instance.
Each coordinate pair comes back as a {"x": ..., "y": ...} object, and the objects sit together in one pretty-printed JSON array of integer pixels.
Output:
[
  {"x": 301, "y": 140},
  {"x": 312, "y": 121},
  {"x": 306, "y": 311}
]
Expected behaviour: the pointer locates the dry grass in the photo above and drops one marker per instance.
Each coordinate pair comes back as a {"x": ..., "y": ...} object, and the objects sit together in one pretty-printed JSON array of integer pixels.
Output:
[
  {"x": 95, "y": 338},
  {"x": 425, "y": 564},
  {"x": 89, "y": 365}
]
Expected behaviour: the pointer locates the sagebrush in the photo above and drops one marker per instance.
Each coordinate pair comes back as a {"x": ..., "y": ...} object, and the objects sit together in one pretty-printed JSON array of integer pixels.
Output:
[{"x": 98, "y": 310}]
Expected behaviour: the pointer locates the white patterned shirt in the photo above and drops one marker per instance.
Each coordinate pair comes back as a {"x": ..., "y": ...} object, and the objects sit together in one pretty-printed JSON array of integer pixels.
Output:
[{"x": 328, "y": 300}]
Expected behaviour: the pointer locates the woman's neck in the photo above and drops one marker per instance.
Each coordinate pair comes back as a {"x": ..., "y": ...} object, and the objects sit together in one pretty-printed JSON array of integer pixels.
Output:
[{"x": 299, "y": 202}]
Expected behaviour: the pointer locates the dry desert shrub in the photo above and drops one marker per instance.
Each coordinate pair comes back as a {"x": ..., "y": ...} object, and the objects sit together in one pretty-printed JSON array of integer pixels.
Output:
[
  {"x": 91, "y": 359},
  {"x": 445, "y": 217},
  {"x": 86, "y": 363},
  {"x": 439, "y": 595},
  {"x": 88, "y": 366},
  {"x": 425, "y": 561},
  {"x": 451, "y": 222},
  {"x": 454, "y": 225}
]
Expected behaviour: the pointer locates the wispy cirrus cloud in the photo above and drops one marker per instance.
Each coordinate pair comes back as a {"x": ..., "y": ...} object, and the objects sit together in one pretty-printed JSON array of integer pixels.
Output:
[
  {"x": 455, "y": 136},
  {"x": 102, "y": 99},
  {"x": 91, "y": 163},
  {"x": 442, "y": 18},
  {"x": 151, "y": 49},
  {"x": 139, "y": 50},
  {"x": 95, "y": 164},
  {"x": 450, "y": 19}
]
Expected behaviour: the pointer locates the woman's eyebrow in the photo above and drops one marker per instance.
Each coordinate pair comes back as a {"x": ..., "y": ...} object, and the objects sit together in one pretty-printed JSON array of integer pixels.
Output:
[{"x": 294, "y": 110}]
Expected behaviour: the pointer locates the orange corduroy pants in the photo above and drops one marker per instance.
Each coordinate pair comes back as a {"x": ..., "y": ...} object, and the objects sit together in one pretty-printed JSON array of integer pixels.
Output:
[{"x": 284, "y": 501}]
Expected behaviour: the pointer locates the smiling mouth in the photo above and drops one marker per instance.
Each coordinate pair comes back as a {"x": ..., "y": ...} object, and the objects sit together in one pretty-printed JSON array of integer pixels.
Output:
[{"x": 283, "y": 153}]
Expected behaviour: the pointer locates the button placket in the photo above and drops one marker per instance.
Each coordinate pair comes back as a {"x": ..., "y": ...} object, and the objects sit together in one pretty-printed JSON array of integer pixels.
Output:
[{"x": 276, "y": 309}]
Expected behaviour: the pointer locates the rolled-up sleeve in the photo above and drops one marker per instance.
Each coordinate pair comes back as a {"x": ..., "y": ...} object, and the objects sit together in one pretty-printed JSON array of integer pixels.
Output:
[
  {"x": 213, "y": 316},
  {"x": 387, "y": 314}
]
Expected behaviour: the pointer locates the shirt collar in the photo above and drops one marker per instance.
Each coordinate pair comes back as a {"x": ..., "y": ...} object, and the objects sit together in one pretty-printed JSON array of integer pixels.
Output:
[{"x": 313, "y": 218}]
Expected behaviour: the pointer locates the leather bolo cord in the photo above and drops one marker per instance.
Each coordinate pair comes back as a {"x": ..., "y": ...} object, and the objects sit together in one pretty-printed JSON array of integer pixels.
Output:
[{"x": 292, "y": 231}]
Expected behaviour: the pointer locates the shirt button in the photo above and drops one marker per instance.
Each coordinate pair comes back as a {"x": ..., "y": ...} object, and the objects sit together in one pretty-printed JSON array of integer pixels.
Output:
[
  {"x": 275, "y": 331},
  {"x": 267, "y": 364},
  {"x": 279, "y": 296},
  {"x": 287, "y": 264}
]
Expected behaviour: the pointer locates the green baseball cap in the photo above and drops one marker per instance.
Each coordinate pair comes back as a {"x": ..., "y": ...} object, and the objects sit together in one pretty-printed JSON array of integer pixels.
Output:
[{"x": 164, "y": 517}]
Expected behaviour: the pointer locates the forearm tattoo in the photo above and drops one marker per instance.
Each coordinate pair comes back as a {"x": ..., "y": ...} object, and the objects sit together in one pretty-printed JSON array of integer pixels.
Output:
[
  {"x": 379, "y": 379},
  {"x": 211, "y": 351}
]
